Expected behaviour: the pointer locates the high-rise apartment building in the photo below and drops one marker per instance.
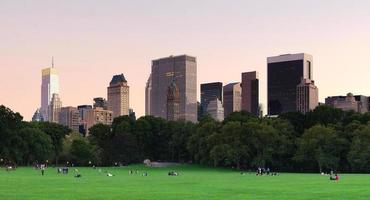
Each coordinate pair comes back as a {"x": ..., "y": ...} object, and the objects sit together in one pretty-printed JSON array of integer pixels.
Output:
[
  {"x": 284, "y": 73},
  {"x": 118, "y": 96},
  {"x": 250, "y": 92},
  {"x": 69, "y": 116},
  {"x": 148, "y": 88},
  {"x": 54, "y": 108},
  {"x": 98, "y": 116},
  {"x": 232, "y": 98},
  {"x": 215, "y": 109},
  {"x": 210, "y": 92},
  {"x": 173, "y": 102},
  {"x": 184, "y": 70},
  {"x": 49, "y": 86},
  {"x": 307, "y": 96}
]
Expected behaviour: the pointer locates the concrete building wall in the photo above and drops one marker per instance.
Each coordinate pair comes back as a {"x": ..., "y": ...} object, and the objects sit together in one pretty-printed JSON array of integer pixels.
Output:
[{"x": 69, "y": 116}]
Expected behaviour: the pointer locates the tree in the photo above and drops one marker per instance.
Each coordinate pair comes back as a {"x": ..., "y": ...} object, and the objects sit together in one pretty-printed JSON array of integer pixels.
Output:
[
  {"x": 324, "y": 115},
  {"x": 82, "y": 152},
  {"x": 10, "y": 123},
  {"x": 57, "y": 133},
  {"x": 320, "y": 145},
  {"x": 35, "y": 145},
  {"x": 359, "y": 154},
  {"x": 232, "y": 143},
  {"x": 199, "y": 146}
]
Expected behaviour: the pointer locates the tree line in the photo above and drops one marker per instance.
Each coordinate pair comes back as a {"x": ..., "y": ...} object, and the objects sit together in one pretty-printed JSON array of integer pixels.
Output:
[{"x": 321, "y": 140}]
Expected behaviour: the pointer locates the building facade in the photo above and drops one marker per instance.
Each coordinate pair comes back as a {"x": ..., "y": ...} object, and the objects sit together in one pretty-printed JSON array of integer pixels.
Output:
[
  {"x": 118, "y": 96},
  {"x": 54, "y": 109},
  {"x": 69, "y": 116},
  {"x": 98, "y": 116},
  {"x": 100, "y": 102},
  {"x": 83, "y": 111},
  {"x": 215, "y": 109},
  {"x": 148, "y": 89},
  {"x": 232, "y": 98},
  {"x": 284, "y": 73},
  {"x": 210, "y": 92},
  {"x": 184, "y": 70},
  {"x": 173, "y": 102},
  {"x": 37, "y": 117},
  {"x": 307, "y": 96},
  {"x": 357, "y": 103},
  {"x": 49, "y": 86},
  {"x": 250, "y": 92}
]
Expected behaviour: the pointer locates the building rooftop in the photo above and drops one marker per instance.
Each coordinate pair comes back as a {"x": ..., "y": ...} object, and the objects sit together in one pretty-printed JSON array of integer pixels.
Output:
[{"x": 118, "y": 79}]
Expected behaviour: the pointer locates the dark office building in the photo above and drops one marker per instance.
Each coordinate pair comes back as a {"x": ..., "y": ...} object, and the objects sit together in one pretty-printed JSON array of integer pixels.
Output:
[
  {"x": 210, "y": 92},
  {"x": 284, "y": 73}
]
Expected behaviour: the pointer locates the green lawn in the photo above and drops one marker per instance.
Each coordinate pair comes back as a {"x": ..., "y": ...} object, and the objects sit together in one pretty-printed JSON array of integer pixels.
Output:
[{"x": 194, "y": 182}]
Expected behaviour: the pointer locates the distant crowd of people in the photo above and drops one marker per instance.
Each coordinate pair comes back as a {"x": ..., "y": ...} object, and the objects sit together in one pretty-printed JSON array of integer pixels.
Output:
[{"x": 265, "y": 171}]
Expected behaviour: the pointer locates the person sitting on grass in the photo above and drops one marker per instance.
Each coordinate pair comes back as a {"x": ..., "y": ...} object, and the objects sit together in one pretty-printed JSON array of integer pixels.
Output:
[
  {"x": 334, "y": 177},
  {"x": 109, "y": 174}
]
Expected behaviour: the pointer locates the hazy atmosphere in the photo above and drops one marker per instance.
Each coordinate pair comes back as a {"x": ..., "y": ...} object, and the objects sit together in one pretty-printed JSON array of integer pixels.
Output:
[{"x": 93, "y": 40}]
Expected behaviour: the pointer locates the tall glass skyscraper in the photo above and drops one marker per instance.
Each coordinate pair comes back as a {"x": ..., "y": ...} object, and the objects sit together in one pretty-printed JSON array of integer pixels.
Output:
[
  {"x": 183, "y": 69},
  {"x": 49, "y": 86},
  {"x": 284, "y": 73}
]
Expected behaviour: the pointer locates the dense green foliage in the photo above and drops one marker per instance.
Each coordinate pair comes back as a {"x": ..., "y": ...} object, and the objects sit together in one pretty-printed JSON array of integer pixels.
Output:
[
  {"x": 194, "y": 182},
  {"x": 322, "y": 140}
]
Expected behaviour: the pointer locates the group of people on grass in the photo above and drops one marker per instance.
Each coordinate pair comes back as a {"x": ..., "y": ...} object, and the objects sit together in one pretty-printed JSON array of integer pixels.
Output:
[
  {"x": 265, "y": 171},
  {"x": 332, "y": 176}
]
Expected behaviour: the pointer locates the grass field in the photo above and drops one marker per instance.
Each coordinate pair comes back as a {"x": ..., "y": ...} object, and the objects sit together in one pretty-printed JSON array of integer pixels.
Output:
[{"x": 194, "y": 182}]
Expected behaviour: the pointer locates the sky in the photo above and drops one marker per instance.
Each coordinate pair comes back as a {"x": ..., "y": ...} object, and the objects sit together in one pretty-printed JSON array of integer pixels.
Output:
[{"x": 91, "y": 40}]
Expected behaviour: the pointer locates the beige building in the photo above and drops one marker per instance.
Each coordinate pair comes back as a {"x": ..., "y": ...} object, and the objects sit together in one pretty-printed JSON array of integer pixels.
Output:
[
  {"x": 307, "y": 96},
  {"x": 98, "y": 116},
  {"x": 54, "y": 108},
  {"x": 118, "y": 96},
  {"x": 357, "y": 103},
  {"x": 232, "y": 98},
  {"x": 69, "y": 116}
]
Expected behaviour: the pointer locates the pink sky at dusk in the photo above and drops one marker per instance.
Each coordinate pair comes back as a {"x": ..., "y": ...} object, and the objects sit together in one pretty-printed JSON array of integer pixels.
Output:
[{"x": 93, "y": 40}]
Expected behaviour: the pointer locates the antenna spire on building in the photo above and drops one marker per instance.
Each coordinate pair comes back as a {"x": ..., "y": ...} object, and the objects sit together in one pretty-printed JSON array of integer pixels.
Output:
[{"x": 52, "y": 62}]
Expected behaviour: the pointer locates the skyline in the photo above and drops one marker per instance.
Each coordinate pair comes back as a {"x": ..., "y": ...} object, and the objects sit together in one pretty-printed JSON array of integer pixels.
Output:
[{"x": 90, "y": 43}]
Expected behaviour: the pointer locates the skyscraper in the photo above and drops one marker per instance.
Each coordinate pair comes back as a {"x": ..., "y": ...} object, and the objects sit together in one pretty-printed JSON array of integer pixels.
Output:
[
  {"x": 210, "y": 92},
  {"x": 54, "y": 108},
  {"x": 69, "y": 116},
  {"x": 184, "y": 70},
  {"x": 250, "y": 92},
  {"x": 232, "y": 98},
  {"x": 307, "y": 96},
  {"x": 49, "y": 86},
  {"x": 148, "y": 88},
  {"x": 284, "y": 73},
  {"x": 118, "y": 96},
  {"x": 173, "y": 102}
]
